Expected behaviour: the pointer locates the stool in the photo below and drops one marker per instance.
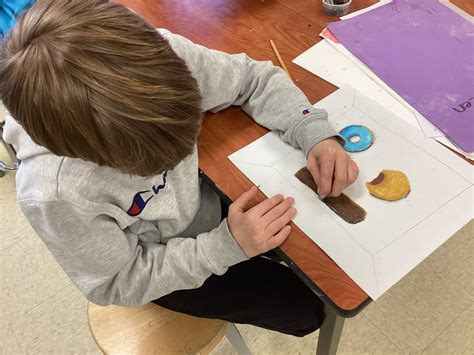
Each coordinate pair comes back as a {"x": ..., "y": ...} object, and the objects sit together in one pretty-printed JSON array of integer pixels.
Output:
[
  {"x": 10, "y": 149},
  {"x": 152, "y": 329}
]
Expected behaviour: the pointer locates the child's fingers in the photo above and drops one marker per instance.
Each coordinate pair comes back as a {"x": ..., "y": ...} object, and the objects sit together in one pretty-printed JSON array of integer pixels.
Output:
[
  {"x": 326, "y": 171},
  {"x": 340, "y": 173},
  {"x": 352, "y": 173},
  {"x": 274, "y": 227},
  {"x": 265, "y": 206},
  {"x": 241, "y": 202},
  {"x": 278, "y": 210},
  {"x": 314, "y": 170},
  {"x": 279, "y": 238}
]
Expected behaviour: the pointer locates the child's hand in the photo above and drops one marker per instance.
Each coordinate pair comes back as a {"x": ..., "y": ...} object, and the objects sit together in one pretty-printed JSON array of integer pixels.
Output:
[
  {"x": 263, "y": 227},
  {"x": 332, "y": 168}
]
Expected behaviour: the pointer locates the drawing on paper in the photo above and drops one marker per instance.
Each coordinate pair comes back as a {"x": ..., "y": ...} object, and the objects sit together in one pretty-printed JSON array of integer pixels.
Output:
[
  {"x": 389, "y": 185},
  {"x": 394, "y": 237},
  {"x": 342, "y": 205},
  {"x": 357, "y": 138}
]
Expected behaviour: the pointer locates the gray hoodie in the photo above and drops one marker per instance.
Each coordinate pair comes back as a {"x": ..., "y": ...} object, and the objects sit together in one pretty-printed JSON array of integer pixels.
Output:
[{"x": 127, "y": 240}]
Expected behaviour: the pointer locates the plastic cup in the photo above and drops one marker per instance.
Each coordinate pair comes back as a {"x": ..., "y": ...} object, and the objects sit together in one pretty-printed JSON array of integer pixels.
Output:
[{"x": 336, "y": 9}]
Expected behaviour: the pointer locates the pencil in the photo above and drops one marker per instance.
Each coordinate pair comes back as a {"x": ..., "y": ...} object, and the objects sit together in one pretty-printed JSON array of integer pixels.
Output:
[{"x": 280, "y": 60}]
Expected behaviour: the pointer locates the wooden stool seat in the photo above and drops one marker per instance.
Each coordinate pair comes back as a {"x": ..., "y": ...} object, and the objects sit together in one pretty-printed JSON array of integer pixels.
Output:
[{"x": 152, "y": 330}]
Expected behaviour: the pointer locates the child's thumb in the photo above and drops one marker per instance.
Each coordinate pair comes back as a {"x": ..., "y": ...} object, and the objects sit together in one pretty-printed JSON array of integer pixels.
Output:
[{"x": 241, "y": 202}]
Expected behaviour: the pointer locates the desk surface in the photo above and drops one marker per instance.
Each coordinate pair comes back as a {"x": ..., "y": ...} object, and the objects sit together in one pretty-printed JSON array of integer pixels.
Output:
[{"x": 237, "y": 26}]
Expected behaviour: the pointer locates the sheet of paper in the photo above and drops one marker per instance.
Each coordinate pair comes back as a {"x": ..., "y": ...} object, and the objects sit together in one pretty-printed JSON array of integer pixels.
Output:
[
  {"x": 426, "y": 126},
  {"x": 395, "y": 236},
  {"x": 448, "y": 143},
  {"x": 425, "y": 52},
  {"x": 325, "y": 60}
]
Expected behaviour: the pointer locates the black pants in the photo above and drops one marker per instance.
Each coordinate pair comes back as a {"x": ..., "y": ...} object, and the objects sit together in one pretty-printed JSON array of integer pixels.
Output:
[{"x": 259, "y": 291}]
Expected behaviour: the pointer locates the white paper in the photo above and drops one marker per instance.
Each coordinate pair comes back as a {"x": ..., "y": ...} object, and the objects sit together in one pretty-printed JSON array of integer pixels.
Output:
[
  {"x": 395, "y": 236},
  {"x": 448, "y": 143}
]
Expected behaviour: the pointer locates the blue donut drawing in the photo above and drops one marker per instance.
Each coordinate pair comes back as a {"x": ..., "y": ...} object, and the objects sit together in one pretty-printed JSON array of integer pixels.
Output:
[{"x": 365, "y": 135}]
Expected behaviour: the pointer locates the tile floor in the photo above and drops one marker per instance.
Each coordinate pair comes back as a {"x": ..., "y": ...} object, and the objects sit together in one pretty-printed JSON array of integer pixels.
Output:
[{"x": 430, "y": 311}]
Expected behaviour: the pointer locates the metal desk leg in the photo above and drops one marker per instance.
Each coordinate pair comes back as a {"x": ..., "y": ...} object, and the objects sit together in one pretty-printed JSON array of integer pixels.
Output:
[{"x": 330, "y": 333}]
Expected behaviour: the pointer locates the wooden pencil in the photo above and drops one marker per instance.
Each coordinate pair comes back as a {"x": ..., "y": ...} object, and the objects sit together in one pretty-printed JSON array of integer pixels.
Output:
[{"x": 280, "y": 60}]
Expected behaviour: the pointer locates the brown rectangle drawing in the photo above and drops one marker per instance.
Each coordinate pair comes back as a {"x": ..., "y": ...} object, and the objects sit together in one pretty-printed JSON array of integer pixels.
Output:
[{"x": 344, "y": 207}]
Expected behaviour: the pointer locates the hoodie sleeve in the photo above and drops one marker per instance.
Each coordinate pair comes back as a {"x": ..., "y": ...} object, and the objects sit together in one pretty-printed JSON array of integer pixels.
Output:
[
  {"x": 114, "y": 266},
  {"x": 262, "y": 90}
]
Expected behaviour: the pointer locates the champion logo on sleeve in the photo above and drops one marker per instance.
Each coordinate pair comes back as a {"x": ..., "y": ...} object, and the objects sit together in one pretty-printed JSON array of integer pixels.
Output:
[
  {"x": 141, "y": 198},
  {"x": 305, "y": 112}
]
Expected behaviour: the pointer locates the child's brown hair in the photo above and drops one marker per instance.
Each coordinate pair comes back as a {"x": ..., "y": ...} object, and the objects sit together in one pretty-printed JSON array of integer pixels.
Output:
[{"x": 91, "y": 80}]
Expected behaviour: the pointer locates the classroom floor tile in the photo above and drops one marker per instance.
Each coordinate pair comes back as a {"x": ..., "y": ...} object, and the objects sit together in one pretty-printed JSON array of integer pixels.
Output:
[
  {"x": 460, "y": 237},
  {"x": 8, "y": 341},
  {"x": 359, "y": 337},
  {"x": 58, "y": 325},
  {"x": 262, "y": 341},
  {"x": 30, "y": 275},
  {"x": 458, "y": 338},
  {"x": 417, "y": 309},
  {"x": 455, "y": 261},
  {"x": 10, "y": 230}
]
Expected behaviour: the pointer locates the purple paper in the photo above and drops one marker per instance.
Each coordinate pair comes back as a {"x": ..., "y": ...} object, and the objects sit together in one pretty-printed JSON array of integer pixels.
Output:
[{"x": 425, "y": 52}]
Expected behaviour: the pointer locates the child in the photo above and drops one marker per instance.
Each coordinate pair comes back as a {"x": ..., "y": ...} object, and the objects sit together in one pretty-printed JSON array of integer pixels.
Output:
[{"x": 107, "y": 111}]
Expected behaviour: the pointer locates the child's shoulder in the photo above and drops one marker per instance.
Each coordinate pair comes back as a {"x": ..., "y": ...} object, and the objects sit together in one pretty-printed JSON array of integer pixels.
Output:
[
  {"x": 71, "y": 186},
  {"x": 36, "y": 177},
  {"x": 45, "y": 177}
]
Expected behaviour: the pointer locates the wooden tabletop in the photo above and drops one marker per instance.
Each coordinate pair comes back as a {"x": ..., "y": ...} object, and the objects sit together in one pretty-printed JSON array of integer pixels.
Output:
[
  {"x": 237, "y": 26},
  {"x": 466, "y": 5}
]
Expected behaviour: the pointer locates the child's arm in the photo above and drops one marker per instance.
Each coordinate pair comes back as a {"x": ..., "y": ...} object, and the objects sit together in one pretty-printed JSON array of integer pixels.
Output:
[
  {"x": 262, "y": 90},
  {"x": 115, "y": 266},
  {"x": 267, "y": 94}
]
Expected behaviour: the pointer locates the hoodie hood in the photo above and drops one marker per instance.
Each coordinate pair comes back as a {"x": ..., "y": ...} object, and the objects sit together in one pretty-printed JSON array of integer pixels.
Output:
[{"x": 13, "y": 133}]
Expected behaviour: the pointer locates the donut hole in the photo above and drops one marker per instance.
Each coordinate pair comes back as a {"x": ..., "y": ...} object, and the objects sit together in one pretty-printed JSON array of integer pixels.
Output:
[{"x": 354, "y": 139}]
